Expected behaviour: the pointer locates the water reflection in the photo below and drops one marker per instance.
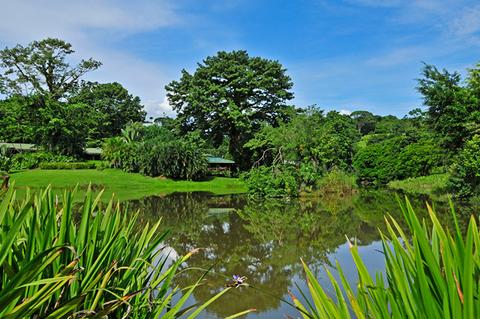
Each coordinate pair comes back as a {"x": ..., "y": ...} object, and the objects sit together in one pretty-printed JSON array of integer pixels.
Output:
[{"x": 265, "y": 240}]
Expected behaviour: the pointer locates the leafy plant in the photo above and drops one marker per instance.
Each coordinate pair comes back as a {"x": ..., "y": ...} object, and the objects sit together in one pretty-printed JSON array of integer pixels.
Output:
[
  {"x": 430, "y": 273},
  {"x": 29, "y": 160},
  {"x": 57, "y": 264},
  {"x": 272, "y": 181}
]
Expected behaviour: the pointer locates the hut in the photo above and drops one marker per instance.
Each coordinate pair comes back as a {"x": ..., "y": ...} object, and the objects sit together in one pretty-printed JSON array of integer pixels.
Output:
[{"x": 219, "y": 164}]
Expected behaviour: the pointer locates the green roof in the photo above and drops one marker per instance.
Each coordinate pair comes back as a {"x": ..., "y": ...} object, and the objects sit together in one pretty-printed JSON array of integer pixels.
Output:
[{"x": 218, "y": 160}]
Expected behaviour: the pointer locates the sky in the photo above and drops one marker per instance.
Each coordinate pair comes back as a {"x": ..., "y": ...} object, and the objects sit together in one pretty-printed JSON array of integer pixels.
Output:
[{"x": 342, "y": 55}]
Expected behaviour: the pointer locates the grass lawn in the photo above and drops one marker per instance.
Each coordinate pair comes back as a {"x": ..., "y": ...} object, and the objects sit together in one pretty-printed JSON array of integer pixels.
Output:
[
  {"x": 433, "y": 185},
  {"x": 124, "y": 186}
]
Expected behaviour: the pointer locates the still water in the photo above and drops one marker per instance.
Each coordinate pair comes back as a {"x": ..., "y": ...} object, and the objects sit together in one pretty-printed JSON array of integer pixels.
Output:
[{"x": 266, "y": 240}]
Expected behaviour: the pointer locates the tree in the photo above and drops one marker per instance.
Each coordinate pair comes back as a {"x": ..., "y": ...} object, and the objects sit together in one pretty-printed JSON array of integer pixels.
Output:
[
  {"x": 365, "y": 121},
  {"x": 41, "y": 68},
  {"x": 230, "y": 95},
  {"x": 17, "y": 120},
  {"x": 114, "y": 103},
  {"x": 65, "y": 127},
  {"x": 453, "y": 109},
  {"x": 465, "y": 179}
]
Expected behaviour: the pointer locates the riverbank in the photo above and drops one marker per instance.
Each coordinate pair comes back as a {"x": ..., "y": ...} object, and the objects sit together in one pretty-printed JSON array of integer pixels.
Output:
[
  {"x": 124, "y": 186},
  {"x": 431, "y": 185}
]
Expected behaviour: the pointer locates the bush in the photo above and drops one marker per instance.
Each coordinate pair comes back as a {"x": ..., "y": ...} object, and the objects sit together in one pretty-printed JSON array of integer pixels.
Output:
[
  {"x": 272, "y": 181},
  {"x": 122, "y": 154},
  {"x": 337, "y": 182},
  {"x": 465, "y": 179},
  {"x": 66, "y": 165},
  {"x": 32, "y": 160},
  {"x": 175, "y": 159},
  {"x": 396, "y": 158},
  {"x": 178, "y": 159}
]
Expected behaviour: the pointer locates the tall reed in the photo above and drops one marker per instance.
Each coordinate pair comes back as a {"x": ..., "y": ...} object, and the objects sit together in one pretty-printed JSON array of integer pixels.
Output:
[
  {"x": 54, "y": 265},
  {"x": 431, "y": 272}
]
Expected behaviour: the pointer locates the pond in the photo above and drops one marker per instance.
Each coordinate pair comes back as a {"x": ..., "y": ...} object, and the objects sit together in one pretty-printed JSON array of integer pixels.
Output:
[{"x": 266, "y": 241}]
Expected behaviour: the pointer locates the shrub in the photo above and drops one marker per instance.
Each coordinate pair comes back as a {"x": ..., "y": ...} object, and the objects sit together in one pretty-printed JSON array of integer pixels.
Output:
[
  {"x": 66, "y": 165},
  {"x": 174, "y": 159},
  {"x": 396, "y": 158},
  {"x": 337, "y": 182},
  {"x": 32, "y": 160},
  {"x": 178, "y": 159},
  {"x": 122, "y": 154},
  {"x": 102, "y": 265},
  {"x": 465, "y": 179},
  {"x": 272, "y": 181},
  {"x": 432, "y": 274}
]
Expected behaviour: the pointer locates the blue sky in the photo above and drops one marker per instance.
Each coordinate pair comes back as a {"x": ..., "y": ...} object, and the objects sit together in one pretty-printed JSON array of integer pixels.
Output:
[{"x": 343, "y": 55}]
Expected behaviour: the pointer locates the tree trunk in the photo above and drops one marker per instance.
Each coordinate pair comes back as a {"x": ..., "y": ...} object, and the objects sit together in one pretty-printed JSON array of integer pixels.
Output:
[{"x": 5, "y": 183}]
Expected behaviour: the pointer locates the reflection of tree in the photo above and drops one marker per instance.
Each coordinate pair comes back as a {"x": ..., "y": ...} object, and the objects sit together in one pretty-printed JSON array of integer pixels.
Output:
[{"x": 265, "y": 240}]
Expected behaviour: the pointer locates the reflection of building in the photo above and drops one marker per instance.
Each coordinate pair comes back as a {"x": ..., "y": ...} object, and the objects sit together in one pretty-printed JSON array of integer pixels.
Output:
[
  {"x": 219, "y": 210},
  {"x": 219, "y": 164}
]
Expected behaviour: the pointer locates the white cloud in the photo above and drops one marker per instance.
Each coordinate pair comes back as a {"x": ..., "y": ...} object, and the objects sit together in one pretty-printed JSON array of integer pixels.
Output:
[
  {"x": 92, "y": 27},
  {"x": 468, "y": 23}
]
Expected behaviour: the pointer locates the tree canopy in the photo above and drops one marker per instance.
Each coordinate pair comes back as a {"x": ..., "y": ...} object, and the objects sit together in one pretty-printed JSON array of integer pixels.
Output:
[
  {"x": 42, "y": 68},
  {"x": 115, "y": 105},
  {"x": 230, "y": 95}
]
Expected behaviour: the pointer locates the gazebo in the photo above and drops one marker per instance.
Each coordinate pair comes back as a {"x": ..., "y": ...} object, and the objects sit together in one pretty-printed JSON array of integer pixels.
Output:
[{"x": 219, "y": 164}]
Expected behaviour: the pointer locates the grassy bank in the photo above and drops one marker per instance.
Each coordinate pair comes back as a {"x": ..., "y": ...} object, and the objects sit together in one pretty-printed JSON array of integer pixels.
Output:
[
  {"x": 125, "y": 186},
  {"x": 433, "y": 185}
]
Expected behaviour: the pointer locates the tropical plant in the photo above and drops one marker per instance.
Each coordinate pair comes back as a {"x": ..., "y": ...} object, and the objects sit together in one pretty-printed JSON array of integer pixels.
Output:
[
  {"x": 465, "y": 179},
  {"x": 431, "y": 272},
  {"x": 178, "y": 159},
  {"x": 55, "y": 265},
  {"x": 272, "y": 181}
]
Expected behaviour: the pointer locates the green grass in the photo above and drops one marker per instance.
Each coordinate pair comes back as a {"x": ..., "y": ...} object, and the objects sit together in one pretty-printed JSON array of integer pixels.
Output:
[
  {"x": 125, "y": 186},
  {"x": 432, "y": 185}
]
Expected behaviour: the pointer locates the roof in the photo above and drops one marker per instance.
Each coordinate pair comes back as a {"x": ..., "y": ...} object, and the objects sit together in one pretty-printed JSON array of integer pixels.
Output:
[
  {"x": 33, "y": 147},
  {"x": 19, "y": 146},
  {"x": 218, "y": 160}
]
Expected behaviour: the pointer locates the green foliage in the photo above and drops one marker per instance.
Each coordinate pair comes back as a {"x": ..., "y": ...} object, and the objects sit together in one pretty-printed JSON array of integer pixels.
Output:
[
  {"x": 430, "y": 185},
  {"x": 465, "y": 179},
  {"x": 153, "y": 151},
  {"x": 53, "y": 266},
  {"x": 274, "y": 181},
  {"x": 67, "y": 165},
  {"x": 27, "y": 160},
  {"x": 64, "y": 127},
  {"x": 397, "y": 157},
  {"x": 365, "y": 121},
  {"x": 337, "y": 183},
  {"x": 41, "y": 67},
  {"x": 122, "y": 154},
  {"x": 48, "y": 105},
  {"x": 175, "y": 159},
  {"x": 431, "y": 273},
  {"x": 453, "y": 110},
  {"x": 115, "y": 105},
  {"x": 231, "y": 95},
  {"x": 17, "y": 120},
  {"x": 309, "y": 138}
]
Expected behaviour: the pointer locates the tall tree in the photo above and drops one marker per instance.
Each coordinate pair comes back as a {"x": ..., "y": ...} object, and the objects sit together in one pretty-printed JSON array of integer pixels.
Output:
[
  {"x": 41, "y": 68},
  {"x": 116, "y": 106},
  {"x": 230, "y": 95},
  {"x": 453, "y": 109}
]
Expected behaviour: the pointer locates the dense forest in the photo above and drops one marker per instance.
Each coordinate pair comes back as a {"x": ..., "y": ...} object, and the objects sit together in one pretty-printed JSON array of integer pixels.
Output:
[{"x": 239, "y": 107}]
